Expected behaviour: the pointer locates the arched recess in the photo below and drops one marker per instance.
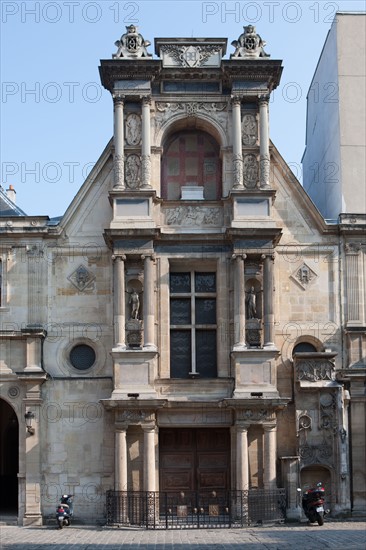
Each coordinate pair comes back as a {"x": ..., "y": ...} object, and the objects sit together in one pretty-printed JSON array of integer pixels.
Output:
[
  {"x": 191, "y": 157},
  {"x": 307, "y": 344},
  {"x": 9, "y": 458},
  {"x": 315, "y": 473}
]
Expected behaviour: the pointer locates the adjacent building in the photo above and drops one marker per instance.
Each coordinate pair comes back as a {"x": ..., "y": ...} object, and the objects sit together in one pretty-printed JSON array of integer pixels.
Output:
[
  {"x": 334, "y": 161},
  {"x": 192, "y": 324}
]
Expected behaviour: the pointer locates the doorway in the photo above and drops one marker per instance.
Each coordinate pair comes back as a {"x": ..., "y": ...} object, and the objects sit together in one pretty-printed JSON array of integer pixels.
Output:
[
  {"x": 9, "y": 459},
  {"x": 194, "y": 459}
]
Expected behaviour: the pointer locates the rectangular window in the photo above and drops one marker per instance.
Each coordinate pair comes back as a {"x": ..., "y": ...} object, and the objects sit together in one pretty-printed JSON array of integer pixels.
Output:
[{"x": 193, "y": 324}]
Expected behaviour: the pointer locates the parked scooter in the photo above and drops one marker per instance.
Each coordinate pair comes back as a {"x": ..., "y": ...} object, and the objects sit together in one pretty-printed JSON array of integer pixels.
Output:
[
  {"x": 65, "y": 511},
  {"x": 313, "y": 504}
]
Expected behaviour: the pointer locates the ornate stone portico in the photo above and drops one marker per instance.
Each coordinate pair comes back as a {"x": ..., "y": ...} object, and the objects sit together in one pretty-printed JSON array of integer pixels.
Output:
[{"x": 192, "y": 324}]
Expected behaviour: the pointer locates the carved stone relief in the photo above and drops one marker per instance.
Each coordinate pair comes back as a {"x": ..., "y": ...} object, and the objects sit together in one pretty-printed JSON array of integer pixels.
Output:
[
  {"x": 249, "y": 130},
  {"x": 132, "y": 44},
  {"x": 193, "y": 216},
  {"x": 133, "y": 171},
  {"x": 249, "y": 44},
  {"x": 190, "y": 56},
  {"x": 304, "y": 276},
  {"x": 314, "y": 371},
  {"x": 81, "y": 278},
  {"x": 133, "y": 129},
  {"x": 255, "y": 414},
  {"x": 250, "y": 171},
  {"x": 165, "y": 110}
]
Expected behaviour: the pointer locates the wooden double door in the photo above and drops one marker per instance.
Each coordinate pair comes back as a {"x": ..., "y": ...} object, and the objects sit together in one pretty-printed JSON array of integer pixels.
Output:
[{"x": 194, "y": 459}]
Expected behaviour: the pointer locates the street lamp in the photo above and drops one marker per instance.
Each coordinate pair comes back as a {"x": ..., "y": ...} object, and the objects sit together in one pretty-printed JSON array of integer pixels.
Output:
[{"x": 29, "y": 417}]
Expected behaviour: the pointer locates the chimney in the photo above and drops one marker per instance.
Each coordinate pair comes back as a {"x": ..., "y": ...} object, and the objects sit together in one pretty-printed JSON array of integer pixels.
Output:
[{"x": 11, "y": 194}]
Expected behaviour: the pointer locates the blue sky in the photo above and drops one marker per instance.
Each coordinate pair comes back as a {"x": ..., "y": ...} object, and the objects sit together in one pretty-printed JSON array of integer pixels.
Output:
[{"x": 57, "y": 118}]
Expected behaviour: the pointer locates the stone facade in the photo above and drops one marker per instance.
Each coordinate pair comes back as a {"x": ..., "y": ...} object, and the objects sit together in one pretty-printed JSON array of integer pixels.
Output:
[{"x": 191, "y": 322}]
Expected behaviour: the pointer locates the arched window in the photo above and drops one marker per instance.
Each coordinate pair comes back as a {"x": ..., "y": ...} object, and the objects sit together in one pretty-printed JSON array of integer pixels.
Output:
[
  {"x": 304, "y": 347},
  {"x": 191, "y": 158}
]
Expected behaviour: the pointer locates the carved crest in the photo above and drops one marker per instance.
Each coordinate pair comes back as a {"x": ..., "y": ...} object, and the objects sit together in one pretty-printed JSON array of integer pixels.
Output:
[
  {"x": 249, "y": 44},
  {"x": 132, "y": 44},
  {"x": 81, "y": 278},
  {"x": 304, "y": 275}
]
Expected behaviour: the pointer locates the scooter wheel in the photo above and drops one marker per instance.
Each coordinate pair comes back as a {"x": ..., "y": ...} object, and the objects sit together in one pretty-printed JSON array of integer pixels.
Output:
[
  {"x": 60, "y": 524},
  {"x": 320, "y": 518}
]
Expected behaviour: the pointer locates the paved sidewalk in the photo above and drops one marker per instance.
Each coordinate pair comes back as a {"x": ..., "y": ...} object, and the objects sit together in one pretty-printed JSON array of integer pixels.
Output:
[{"x": 347, "y": 535}]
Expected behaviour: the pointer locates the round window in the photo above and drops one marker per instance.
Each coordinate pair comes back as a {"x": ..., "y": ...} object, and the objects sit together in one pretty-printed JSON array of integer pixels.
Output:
[{"x": 82, "y": 357}]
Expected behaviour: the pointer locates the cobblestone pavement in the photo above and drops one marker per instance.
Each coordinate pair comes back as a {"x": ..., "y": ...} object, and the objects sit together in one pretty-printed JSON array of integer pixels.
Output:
[{"x": 333, "y": 535}]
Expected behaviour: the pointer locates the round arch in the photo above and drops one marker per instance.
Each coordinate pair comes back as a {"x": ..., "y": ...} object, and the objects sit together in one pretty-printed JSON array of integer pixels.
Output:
[
  {"x": 9, "y": 458},
  {"x": 307, "y": 343},
  {"x": 202, "y": 122}
]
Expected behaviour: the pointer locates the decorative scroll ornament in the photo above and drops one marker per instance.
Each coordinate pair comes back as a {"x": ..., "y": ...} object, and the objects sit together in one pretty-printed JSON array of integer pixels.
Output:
[
  {"x": 133, "y": 129},
  {"x": 193, "y": 216},
  {"x": 314, "y": 371},
  {"x": 131, "y": 45},
  {"x": 249, "y": 44},
  {"x": 304, "y": 275},
  {"x": 316, "y": 454},
  {"x": 249, "y": 130},
  {"x": 190, "y": 56},
  {"x": 250, "y": 171},
  {"x": 81, "y": 278},
  {"x": 133, "y": 171}
]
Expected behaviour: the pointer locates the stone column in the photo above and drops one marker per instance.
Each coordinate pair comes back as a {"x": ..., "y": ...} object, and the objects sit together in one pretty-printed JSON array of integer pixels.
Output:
[
  {"x": 354, "y": 288},
  {"x": 149, "y": 317},
  {"x": 119, "y": 301},
  {"x": 239, "y": 301},
  {"x": 242, "y": 462},
  {"x": 120, "y": 468},
  {"x": 237, "y": 147},
  {"x": 264, "y": 142},
  {"x": 149, "y": 458},
  {"x": 268, "y": 317},
  {"x": 270, "y": 454},
  {"x": 118, "y": 137},
  {"x": 146, "y": 146}
]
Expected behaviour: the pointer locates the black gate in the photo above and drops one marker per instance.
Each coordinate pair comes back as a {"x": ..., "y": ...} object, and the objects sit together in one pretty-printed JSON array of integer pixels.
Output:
[{"x": 164, "y": 510}]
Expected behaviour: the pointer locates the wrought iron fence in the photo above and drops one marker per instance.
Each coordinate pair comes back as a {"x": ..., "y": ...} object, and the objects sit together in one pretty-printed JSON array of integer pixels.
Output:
[{"x": 214, "y": 509}]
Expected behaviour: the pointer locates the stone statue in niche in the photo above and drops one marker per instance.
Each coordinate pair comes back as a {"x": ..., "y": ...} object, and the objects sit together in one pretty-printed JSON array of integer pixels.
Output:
[
  {"x": 133, "y": 129},
  {"x": 132, "y": 44},
  {"x": 134, "y": 302},
  {"x": 249, "y": 44},
  {"x": 249, "y": 130},
  {"x": 133, "y": 171},
  {"x": 251, "y": 304}
]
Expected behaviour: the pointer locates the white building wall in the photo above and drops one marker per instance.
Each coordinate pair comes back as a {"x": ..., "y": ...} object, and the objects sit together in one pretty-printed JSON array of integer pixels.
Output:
[{"x": 334, "y": 158}]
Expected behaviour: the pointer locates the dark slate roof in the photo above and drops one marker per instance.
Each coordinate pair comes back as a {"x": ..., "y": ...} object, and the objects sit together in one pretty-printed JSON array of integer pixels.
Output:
[{"x": 8, "y": 209}]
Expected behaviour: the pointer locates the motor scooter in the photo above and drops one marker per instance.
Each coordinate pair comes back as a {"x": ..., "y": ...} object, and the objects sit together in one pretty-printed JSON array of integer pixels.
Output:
[
  {"x": 313, "y": 500},
  {"x": 65, "y": 511}
]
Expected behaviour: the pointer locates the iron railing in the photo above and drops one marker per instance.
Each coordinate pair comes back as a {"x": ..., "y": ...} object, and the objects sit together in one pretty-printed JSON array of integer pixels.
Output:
[{"x": 214, "y": 509}]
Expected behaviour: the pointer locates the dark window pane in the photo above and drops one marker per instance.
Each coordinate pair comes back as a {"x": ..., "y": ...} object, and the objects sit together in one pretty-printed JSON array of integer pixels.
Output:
[
  {"x": 206, "y": 353},
  {"x": 180, "y": 353},
  {"x": 180, "y": 311},
  {"x": 82, "y": 357},
  {"x": 205, "y": 311},
  {"x": 180, "y": 282},
  {"x": 205, "y": 282}
]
